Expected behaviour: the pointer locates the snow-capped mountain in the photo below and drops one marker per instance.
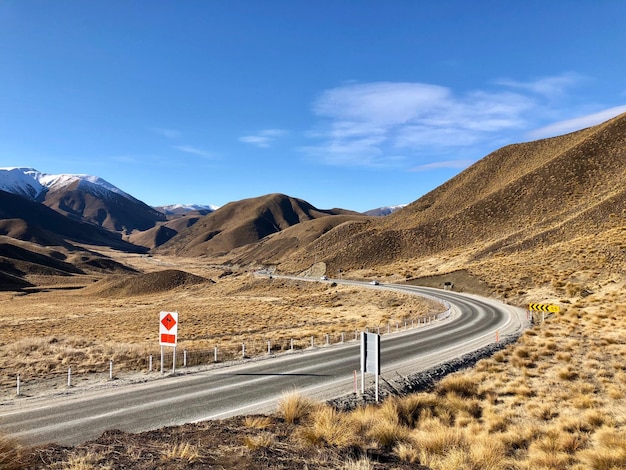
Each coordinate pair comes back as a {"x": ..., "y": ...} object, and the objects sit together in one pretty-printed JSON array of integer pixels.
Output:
[
  {"x": 32, "y": 184},
  {"x": 179, "y": 209},
  {"x": 81, "y": 197},
  {"x": 386, "y": 210}
]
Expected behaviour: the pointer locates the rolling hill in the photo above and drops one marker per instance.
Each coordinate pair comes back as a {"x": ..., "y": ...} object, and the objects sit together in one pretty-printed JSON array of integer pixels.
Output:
[
  {"x": 519, "y": 198},
  {"x": 244, "y": 223}
]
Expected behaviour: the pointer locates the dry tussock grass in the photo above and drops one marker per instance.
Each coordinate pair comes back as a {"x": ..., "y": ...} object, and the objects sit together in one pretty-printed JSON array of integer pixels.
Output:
[
  {"x": 294, "y": 407},
  {"x": 10, "y": 451}
]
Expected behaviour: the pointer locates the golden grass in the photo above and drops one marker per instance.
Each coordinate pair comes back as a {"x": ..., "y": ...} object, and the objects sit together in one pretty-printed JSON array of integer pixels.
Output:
[
  {"x": 294, "y": 407},
  {"x": 10, "y": 452},
  {"x": 82, "y": 461},
  {"x": 261, "y": 441},
  {"x": 182, "y": 451}
]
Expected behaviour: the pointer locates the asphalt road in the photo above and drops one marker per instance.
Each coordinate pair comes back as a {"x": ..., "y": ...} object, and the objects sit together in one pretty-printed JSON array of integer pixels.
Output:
[{"x": 256, "y": 386}]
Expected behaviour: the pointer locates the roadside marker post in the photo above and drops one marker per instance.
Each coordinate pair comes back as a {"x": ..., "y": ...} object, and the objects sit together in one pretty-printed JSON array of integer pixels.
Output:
[
  {"x": 168, "y": 335},
  {"x": 370, "y": 358}
]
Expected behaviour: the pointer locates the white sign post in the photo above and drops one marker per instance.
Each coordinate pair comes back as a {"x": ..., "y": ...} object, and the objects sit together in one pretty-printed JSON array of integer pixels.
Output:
[
  {"x": 168, "y": 334},
  {"x": 370, "y": 358}
]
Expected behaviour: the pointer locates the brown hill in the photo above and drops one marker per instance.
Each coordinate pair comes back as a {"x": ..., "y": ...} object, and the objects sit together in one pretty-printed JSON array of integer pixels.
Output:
[
  {"x": 143, "y": 284},
  {"x": 243, "y": 223},
  {"x": 109, "y": 210},
  {"x": 32, "y": 221},
  {"x": 520, "y": 197},
  {"x": 36, "y": 240},
  {"x": 165, "y": 231}
]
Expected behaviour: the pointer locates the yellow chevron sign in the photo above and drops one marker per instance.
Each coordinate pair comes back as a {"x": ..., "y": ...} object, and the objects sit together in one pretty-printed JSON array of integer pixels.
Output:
[{"x": 544, "y": 308}]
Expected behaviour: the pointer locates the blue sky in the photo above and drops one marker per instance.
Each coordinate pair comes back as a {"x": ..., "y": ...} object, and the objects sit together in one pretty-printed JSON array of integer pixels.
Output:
[{"x": 343, "y": 103}]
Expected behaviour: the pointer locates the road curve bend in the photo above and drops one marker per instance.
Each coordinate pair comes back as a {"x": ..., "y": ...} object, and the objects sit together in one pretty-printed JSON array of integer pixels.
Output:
[{"x": 256, "y": 386}]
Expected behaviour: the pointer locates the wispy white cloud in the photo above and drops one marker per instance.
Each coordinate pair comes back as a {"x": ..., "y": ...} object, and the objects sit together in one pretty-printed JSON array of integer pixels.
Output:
[
  {"x": 264, "y": 138},
  {"x": 423, "y": 126},
  {"x": 365, "y": 124},
  {"x": 194, "y": 151},
  {"x": 168, "y": 133},
  {"x": 549, "y": 87},
  {"x": 456, "y": 164},
  {"x": 571, "y": 125}
]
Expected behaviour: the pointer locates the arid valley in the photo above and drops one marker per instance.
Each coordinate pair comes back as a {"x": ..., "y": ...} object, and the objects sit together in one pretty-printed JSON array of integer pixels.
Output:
[{"x": 541, "y": 222}]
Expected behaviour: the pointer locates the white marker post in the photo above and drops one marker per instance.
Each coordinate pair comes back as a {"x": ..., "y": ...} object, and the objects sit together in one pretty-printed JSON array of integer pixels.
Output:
[
  {"x": 168, "y": 334},
  {"x": 370, "y": 358}
]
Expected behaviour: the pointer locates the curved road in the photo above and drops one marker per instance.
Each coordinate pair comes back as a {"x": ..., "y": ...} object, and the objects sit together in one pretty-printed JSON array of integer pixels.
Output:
[{"x": 256, "y": 386}]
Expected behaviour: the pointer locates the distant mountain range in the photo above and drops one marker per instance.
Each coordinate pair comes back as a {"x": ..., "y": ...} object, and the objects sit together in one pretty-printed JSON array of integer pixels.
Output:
[
  {"x": 522, "y": 198},
  {"x": 179, "y": 209}
]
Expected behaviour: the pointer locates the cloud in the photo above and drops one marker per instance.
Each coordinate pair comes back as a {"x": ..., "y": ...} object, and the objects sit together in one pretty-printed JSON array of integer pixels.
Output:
[
  {"x": 194, "y": 151},
  {"x": 570, "y": 125},
  {"x": 168, "y": 133},
  {"x": 385, "y": 123},
  {"x": 421, "y": 126},
  {"x": 264, "y": 138},
  {"x": 549, "y": 87},
  {"x": 457, "y": 164}
]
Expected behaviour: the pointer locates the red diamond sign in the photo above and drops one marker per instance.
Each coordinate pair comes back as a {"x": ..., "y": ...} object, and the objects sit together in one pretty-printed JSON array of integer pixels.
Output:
[
  {"x": 168, "y": 321},
  {"x": 168, "y": 328}
]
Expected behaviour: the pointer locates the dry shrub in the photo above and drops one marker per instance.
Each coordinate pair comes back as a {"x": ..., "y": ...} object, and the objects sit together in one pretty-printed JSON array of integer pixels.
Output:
[
  {"x": 294, "y": 407},
  {"x": 466, "y": 407},
  {"x": 458, "y": 384},
  {"x": 261, "y": 441},
  {"x": 543, "y": 412},
  {"x": 415, "y": 407},
  {"x": 257, "y": 422},
  {"x": 10, "y": 452},
  {"x": 327, "y": 426},
  {"x": 361, "y": 464},
  {"x": 445, "y": 447},
  {"x": 568, "y": 373},
  {"x": 407, "y": 452},
  {"x": 364, "y": 417},
  {"x": 608, "y": 451},
  {"x": 387, "y": 433},
  {"x": 83, "y": 461},
  {"x": 185, "y": 452}
]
